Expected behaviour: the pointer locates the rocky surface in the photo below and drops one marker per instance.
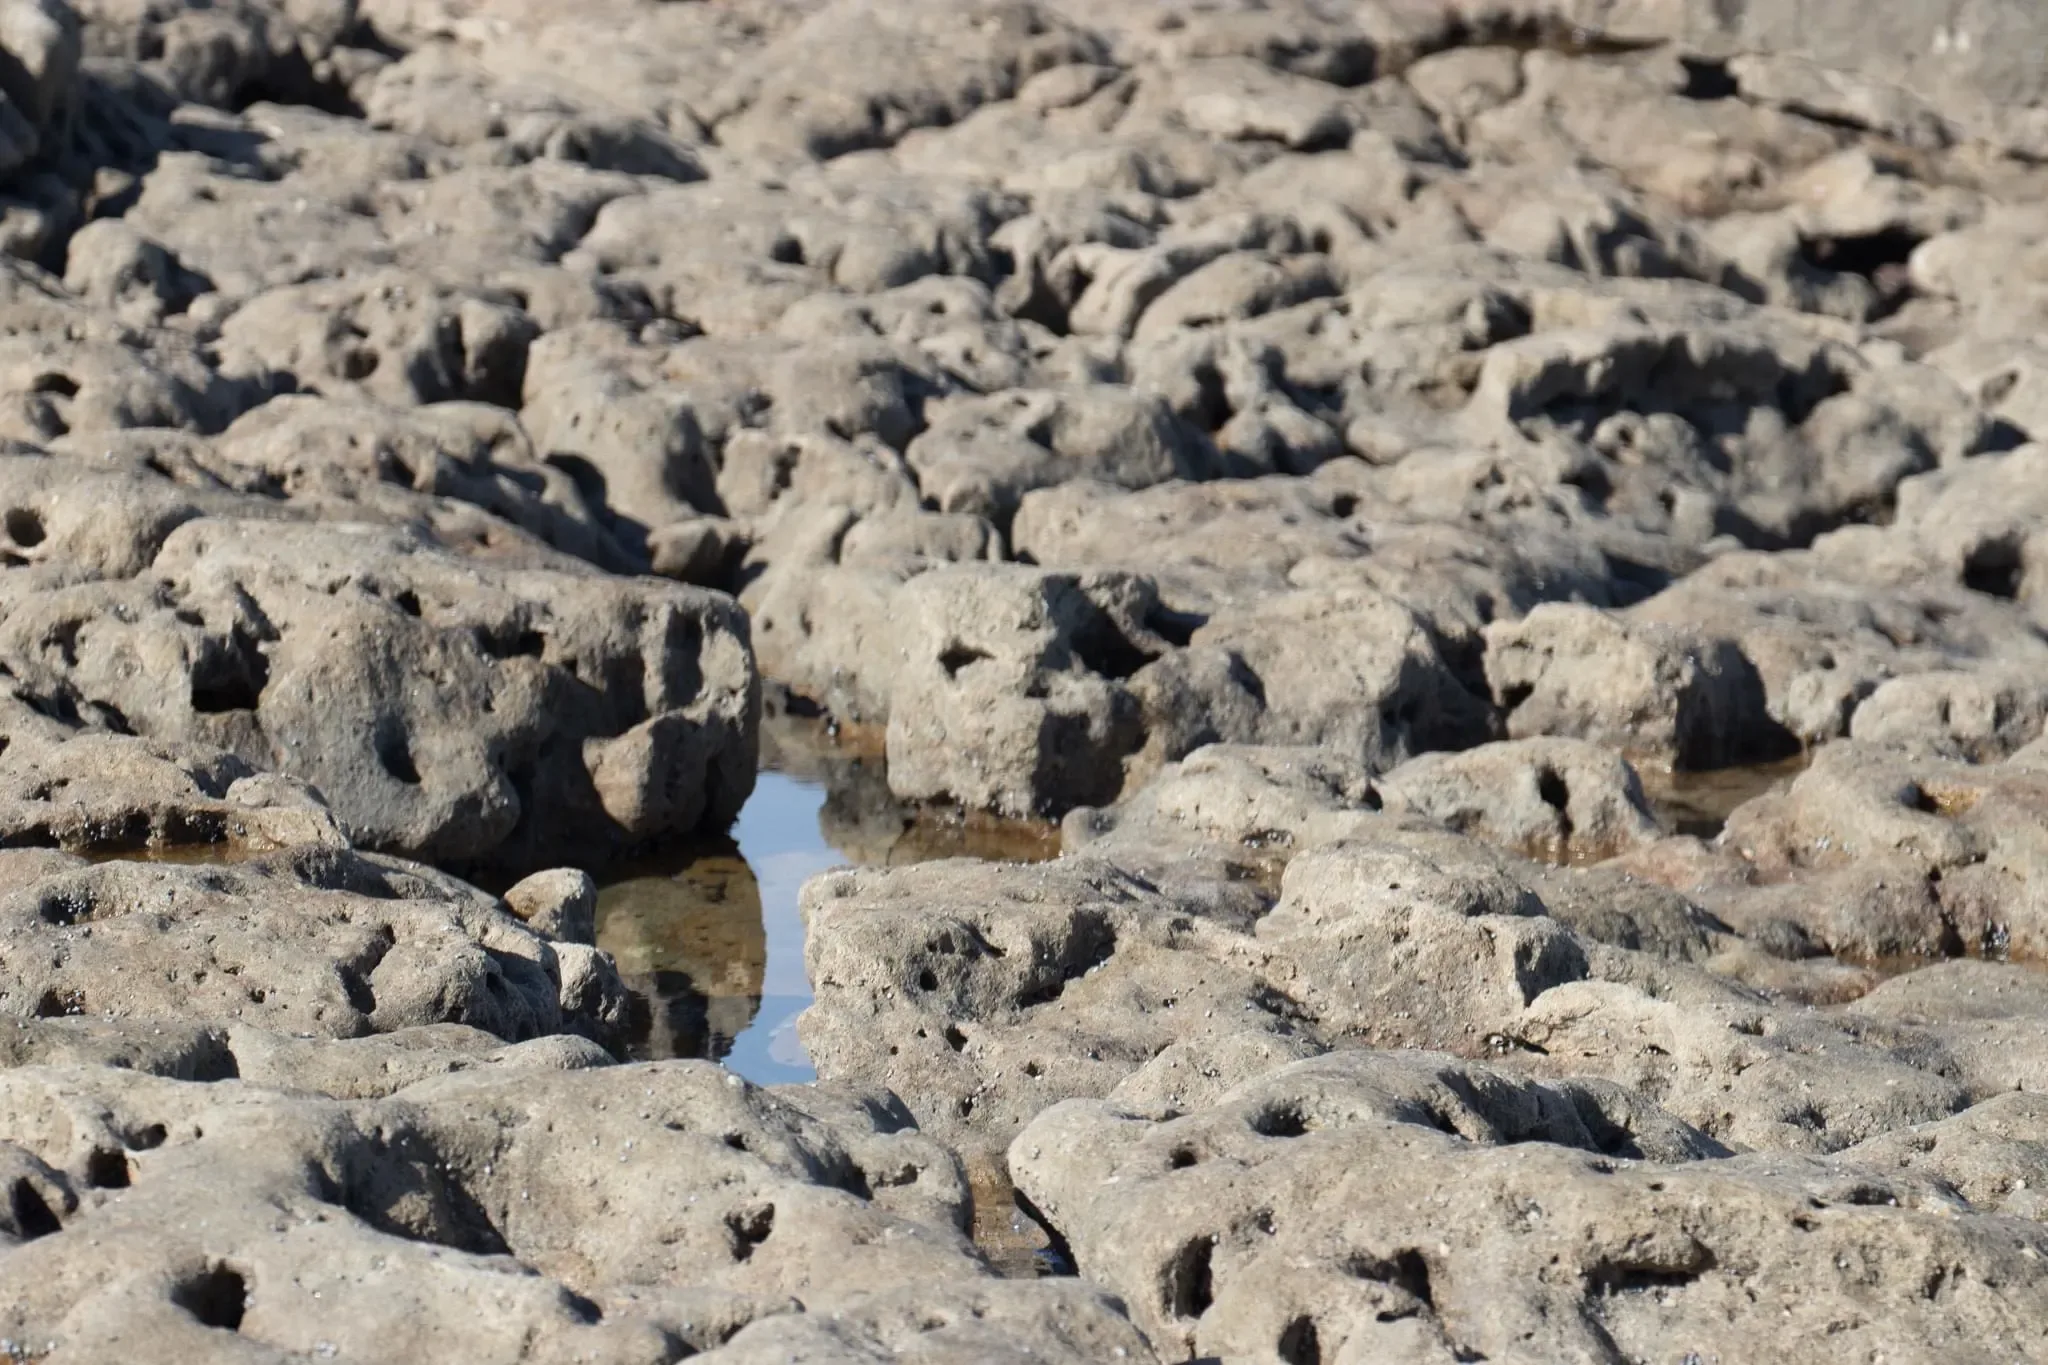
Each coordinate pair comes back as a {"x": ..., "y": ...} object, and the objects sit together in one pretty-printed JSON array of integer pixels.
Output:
[{"x": 1499, "y": 543}]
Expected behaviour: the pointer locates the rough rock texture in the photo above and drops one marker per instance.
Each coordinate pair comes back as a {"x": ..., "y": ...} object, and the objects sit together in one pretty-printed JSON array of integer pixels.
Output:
[
  {"x": 1507, "y": 535},
  {"x": 569, "y": 710},
  {"x": 323, "y": 941},
  {"x": 310, "y": 1225},
  {"x": 1406, "y": 1207}
]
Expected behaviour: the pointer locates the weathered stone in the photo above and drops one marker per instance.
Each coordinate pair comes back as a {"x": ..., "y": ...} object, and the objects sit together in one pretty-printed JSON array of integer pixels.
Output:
[
  {"x": 711, "y": 1200},
  {"x": 1402, "y": 1206},
  {"x": 1655, "y": 691},
  {"x": 642, "y": 725},
  {"x": 1560, "y": 799}
]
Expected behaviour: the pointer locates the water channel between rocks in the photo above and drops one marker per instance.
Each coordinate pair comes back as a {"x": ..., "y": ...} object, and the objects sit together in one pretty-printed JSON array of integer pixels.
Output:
[{"x": 707, "y": 934}]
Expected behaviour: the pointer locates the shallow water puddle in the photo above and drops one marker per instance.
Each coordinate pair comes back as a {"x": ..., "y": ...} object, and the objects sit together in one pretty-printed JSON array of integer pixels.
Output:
[
  {"x": 708, "y": 936},
  {"x": 1699, "y": 803},
  {"x": 710, "y": 939}
]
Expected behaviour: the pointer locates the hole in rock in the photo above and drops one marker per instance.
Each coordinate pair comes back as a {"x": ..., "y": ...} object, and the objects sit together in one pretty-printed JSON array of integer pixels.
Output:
[
  {"x": 107, "y": 1169},
  {"x": 231, "y": 679},
  {"x": 65, "y": 906},
  {"x": 1864, "y": 255},
  {"x": 32, "y": 1215},
  {"x": 1190, "y": 1285},
  {"x": 927, "y": 980},
  {"x": 1299, "y": 1343},
  {"x": 56, "y": 1004},
  {"x": 750, "y": 1228},
  {"x": 1406, "y": 1270},
  {"x": 358, "y": 364},
  {"x": 1611, "y": 1279},
  {"x": 1281, "y": 1121},
  {"x": 1995, "y": 569},
  {"x": 394, "y": 755},
  {"x": 958, "y": 656},
  {"x": 148, "y": 1139},
  {"x": 1181, "y": 1158},
  {"x": 1102, "y": 647},
  {"x": 25, "y": 527},
  {"x": 1706, "y": 79},
  {"x": 1343, "y": 507},
  {"x": 955, "y": 1039},
  {"x": 217, "y": 1298},
  {"x": 1551, "y": 787},
  {"x": 1879, "y": 257},
  {"x": 511, "y": 642},
  {"x": 62, "y": 385},
  {"x": 1177, "y": 628}
]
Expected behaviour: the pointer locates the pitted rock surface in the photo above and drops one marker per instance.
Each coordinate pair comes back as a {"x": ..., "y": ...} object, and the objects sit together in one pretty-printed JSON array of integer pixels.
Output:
[{"x": 1502, "y": 540}]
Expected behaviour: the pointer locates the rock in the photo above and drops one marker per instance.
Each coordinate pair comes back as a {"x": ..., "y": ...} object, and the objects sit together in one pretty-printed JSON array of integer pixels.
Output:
[
  {"x": 116, "y": 267},
  {"x": 42, "y": 43},
  {"x": 981, "y": 455},
  {"x": 560, "y": 903},
  {"x": 1403, "y": 1206},
  {"x": 393, "y": 336},
  {"x": 1351, "y": 668},
  {"x": 382, "y": 1064},
  {"x": 1656, "y": 691},
  {"x": 319, "y": 942},
  {"x": 982, "y": 993},
  {"x": 702, "y": 550},
  {"x": 1990, "y": 1153},
  {"x": 1975, "y": 717},
  {"x": 102, "y": 793},
  {"x": 218, "y": 54},
  {"x": 274, "y": 649},
  {"x": 406, "y": 1207},
  {"x": 1559, "y": 799},
  {"x": 915, "y": 69},
  {"x": 1267, "y": 801},
  {"x": 1984, "y": 1013},
  {"x": 1008, "y": 696},
  {"x": 318, "y": 452},
  {"x": 1747, "y": 1074},
  {"x": 1824, "y": 634},
  {"x": 988, "y": 1320}
]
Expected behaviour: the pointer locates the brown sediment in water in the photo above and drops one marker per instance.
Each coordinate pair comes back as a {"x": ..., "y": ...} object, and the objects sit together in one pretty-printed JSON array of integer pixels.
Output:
[
  {"x": 1699, "y": 803},
  {"x": 1014, "y": 1244},
  {"x": 692, "y": 947}
]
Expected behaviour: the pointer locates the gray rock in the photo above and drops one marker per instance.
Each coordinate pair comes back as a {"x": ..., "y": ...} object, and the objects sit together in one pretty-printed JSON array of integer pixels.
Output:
[
  {"x": 1655, "y": 691},
  {"x": 1008, "y": 694},
  {"x": 320, "y": 942},
  {"x": 281, "y": 658},
  {"x": 1559, "y": 799},
  {"x": 560, "y": 903},
  {"x": 707, "y": 1203},
  {"x": 1404, "y": 1207}
]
